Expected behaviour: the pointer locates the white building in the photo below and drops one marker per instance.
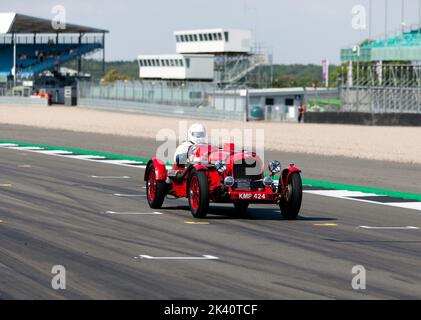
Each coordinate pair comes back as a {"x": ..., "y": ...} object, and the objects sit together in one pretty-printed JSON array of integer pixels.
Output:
[
  {"x": 176, "y": 67},
  {"x": 213, "y": 41}
]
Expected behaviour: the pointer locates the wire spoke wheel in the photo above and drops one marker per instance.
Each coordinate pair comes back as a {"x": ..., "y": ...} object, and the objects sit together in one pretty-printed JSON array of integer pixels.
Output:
[
  {"x": 198, "y": 194},
  {"x": 155, "y": 189}
]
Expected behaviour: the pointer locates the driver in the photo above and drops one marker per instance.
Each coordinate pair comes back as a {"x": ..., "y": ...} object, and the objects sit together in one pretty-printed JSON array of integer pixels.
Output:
[{"x": 196, "y": 135}]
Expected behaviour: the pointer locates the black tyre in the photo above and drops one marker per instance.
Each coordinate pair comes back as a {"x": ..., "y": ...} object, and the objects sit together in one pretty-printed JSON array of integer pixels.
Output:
[
  {"x": 241, "y": 208},
  {"x": 198, "y": 194},
  {"x": 290, "y": 207},
  {"x": 155, "y": 190}
]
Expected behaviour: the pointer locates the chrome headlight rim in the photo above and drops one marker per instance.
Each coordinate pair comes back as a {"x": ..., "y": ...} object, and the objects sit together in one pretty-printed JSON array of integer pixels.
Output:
[
  {"x": 229, "y": 181},
  {"x": 275, "y": 166},
  {"x": 268, "y": 181}
]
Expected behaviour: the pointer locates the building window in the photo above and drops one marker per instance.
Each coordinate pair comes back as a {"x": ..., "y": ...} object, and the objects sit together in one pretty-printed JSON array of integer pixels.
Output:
[
  {"x": 190, "y": 38},
  {"x": 215, "y": 36},
  {"x": 158, "y": 62},
  {"x": 226, "y": 34},
  {"x": 220, "y": 36},
  {"x": 141, "y": 63},
  {"x": 195, "y": 37},
  {"x": 289, "y": 102},
  {"x": 205, "y": 36},
  {"x": 201, "y": 37},
  {"x": 181, "y": 63},
  {"x": 210, "y": 36},
  {"x": 188, "y": 62}
]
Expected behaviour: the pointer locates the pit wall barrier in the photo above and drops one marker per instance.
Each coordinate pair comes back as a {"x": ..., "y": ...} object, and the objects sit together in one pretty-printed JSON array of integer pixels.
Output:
[
  {"x": 24, "y": 101},
  {"x": 362, "y": 118}
]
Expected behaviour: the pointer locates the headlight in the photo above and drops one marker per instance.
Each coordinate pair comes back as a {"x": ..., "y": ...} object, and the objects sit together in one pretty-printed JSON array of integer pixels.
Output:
[
  {"x": 220, "y": 166},
  {"x": 229, "y": 181},
  {"x": 267, "y": 181},
  {"x": 275, "y": 167}
]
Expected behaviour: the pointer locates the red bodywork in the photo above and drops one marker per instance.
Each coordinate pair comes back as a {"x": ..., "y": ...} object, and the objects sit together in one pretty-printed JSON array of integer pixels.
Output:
[{"x": 203, "y": 158}]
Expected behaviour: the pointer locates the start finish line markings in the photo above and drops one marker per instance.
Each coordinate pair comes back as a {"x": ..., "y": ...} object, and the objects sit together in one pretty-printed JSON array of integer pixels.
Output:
[
  {"x": 205, "y": 257},
  {"x": 389, "y": 228},
  {"x": 105, "y": 177},
  {"x": 133, "y": 213}
]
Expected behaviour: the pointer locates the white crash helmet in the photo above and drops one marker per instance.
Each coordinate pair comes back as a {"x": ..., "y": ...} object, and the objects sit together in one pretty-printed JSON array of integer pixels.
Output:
[{"x": 197, "y": 134}]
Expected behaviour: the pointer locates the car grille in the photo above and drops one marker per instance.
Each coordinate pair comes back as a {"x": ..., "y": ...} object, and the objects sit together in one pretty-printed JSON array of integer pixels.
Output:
[{"x": 244, "y": 181}]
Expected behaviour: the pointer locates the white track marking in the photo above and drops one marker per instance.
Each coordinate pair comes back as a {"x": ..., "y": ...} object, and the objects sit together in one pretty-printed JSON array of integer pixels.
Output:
[
  {"x": 129, "y": 195},
  {"x": 205, "y": 257},
  {"x": 133, "y": 213},
  {"x": 406, "y": 205},
  {"x": 25, "y": 148},
  {"x": 85, "y": 157},
  {"x": 110, "y": 177},
  {"x": 339, "y": 193},
  {"x": 347, "y": 195},
  {"x": 389, "y": 228},
  {"x": 119, "y": 162},
  {"x": 53, "y": 152},
  {"x": 7, "y": 145}
]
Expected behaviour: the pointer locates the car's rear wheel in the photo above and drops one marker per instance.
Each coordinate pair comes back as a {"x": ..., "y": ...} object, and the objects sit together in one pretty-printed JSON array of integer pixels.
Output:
[
  {"x": 155, "y": 190},
  {"x": 198, "y": 193},
  {"x": 241, "y": 208},
  {"x": 290, "y": 206}
]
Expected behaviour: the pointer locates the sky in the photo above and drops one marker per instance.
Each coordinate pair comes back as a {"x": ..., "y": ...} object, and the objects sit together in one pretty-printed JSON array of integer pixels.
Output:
[{"x": 294, "y": 31}]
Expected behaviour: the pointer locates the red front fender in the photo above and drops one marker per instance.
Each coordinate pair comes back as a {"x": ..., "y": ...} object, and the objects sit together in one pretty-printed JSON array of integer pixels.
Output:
[
  {"x": 160, "y": 169},
  {"x": 286, "y": 175}
]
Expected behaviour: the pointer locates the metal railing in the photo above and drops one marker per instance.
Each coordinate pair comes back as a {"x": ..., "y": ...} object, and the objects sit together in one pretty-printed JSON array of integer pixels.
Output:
[
  {"x": 384, "y": 89},
  {"x": 192, "y": 99}
]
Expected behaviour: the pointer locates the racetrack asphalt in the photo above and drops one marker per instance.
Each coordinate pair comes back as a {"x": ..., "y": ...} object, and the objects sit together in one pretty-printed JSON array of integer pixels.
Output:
[{"x": 54, "y": 212}]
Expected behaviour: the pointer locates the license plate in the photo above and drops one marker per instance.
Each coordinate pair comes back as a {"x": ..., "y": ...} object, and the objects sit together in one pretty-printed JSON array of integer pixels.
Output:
[{"x": 252, "y": 196}]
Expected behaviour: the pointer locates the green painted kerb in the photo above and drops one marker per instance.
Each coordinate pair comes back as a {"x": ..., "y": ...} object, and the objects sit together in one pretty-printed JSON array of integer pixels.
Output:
[
  {"x": 314, "y": 183},
  {"x": 78, "y": 151},
  {"x": 340, "y": 186}
]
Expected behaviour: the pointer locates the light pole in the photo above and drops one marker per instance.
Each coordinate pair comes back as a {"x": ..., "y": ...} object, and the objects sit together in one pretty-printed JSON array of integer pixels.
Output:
[
  {"x": 385, "y": 18},
  {"x": 14, "y": 61}
]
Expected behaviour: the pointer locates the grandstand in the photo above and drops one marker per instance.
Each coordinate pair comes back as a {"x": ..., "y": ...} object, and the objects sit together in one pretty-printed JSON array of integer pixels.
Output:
[
  {"x": 384, "y": 75},
  {"x": 30, "y": 45},
  {"x": 405, "y": 46}
]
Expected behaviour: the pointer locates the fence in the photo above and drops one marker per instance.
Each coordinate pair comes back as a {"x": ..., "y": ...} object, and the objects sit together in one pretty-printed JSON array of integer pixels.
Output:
[
  {"x": 191, "y": 100},
  {"x": 383, "y": 89}
]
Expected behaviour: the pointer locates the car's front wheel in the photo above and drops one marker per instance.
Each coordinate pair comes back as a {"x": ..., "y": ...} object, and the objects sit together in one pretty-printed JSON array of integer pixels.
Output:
[
  {"x": 155, "y": 190},
  {"x": 198, "y": 194},
  {"x": 291, "y": 205}
]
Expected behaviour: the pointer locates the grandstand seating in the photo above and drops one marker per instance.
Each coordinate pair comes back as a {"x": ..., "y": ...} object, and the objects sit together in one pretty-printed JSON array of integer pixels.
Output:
[
  {"x": 406, "y": 46},
  {"x": 33, "y": 59}
]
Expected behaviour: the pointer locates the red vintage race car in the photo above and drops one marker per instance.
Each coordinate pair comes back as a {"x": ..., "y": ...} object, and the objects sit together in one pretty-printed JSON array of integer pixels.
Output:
[{"x": 222, "y": 175}]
